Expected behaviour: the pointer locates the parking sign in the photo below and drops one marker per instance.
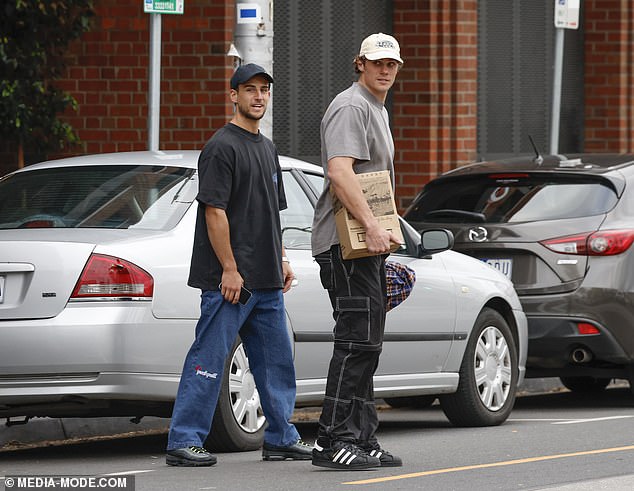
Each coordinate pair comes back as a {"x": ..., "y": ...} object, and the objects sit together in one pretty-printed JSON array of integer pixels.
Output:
[{"x": 567, "y": 14}]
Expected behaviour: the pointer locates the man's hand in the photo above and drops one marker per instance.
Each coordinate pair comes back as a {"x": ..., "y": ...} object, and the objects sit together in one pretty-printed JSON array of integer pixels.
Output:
[
  {"x": 289, "y": 276},
  {"x": 231, "y": 284},
  {"x": 378, "y": 240}
]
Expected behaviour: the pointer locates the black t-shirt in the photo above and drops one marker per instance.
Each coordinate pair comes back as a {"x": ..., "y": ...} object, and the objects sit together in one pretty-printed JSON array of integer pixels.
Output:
[{"x": 240, "y": 173}]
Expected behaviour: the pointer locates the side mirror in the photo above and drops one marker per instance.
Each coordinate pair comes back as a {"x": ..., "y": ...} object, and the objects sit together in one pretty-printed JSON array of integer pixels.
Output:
[{"x": 434, "y": 240}]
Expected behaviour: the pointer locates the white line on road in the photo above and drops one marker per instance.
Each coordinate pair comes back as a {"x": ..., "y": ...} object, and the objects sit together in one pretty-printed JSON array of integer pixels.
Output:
[
  {"x": 126, "y": 473},
  {"x": 591, "y": 420},
  {"x": 523, "y": 420}
]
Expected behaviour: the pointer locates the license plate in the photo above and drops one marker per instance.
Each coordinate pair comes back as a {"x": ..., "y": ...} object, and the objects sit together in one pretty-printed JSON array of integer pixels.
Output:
[
  {"x": 505, "y": 266},
  {"x": 1, "y": 289}
]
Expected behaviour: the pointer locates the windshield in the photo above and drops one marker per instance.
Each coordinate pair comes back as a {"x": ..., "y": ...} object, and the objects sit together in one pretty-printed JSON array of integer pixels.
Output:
[
  {"x": 116, "y": 196},
  {"x": 487, "y": 199}
]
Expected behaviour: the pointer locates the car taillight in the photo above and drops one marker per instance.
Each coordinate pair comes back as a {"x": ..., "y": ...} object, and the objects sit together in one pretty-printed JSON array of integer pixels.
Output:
[
  {"x": 604, "y": 243},
  {"x": 585, "y": 328},
  {"x": 108, "y": 276}
]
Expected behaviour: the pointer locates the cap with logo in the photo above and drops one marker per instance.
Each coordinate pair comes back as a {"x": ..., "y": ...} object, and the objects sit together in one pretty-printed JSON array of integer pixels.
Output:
[
  {"x": 244, "y": 73},
  {"x": 378, "y": 46}
]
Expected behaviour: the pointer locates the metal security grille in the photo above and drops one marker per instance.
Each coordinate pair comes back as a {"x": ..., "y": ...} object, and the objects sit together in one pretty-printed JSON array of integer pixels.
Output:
[
  {"x": 313, "y": 49},
  {"x": 515, "y": 69}
]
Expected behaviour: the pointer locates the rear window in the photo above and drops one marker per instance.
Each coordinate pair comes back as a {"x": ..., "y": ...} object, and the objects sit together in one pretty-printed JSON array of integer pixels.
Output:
[
  {"x": 511, "y": 199},
  {"x": 117, "y": 196}
]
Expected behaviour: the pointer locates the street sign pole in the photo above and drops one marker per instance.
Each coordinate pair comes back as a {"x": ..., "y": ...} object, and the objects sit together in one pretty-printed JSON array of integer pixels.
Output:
[
  {"x": 555, "y": 114},
  {"x": 154, "y": 96},
  {"x": 155, "y": 8},
  {"x": 566, "y": 17}
]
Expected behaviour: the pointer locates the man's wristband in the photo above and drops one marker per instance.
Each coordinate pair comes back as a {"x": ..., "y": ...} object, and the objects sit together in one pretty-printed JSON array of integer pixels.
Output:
[{"x": 285, "y": 260}]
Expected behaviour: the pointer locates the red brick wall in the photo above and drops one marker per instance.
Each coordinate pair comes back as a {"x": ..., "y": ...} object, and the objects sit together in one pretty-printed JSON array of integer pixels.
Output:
[
  {"x": 435, "y": 97},
  {"x": 609, "y": 76},
  {"x": 108, "y": 73},
  {"x": 111, "y": 72}
]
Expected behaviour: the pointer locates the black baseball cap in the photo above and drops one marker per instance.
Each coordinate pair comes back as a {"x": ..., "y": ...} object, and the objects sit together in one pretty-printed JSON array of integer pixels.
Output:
[{"x": 246, "y": 72}]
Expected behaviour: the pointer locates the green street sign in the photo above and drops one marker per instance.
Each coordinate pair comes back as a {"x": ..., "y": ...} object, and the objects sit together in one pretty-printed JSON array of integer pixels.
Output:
[{"x": 163, "y": 6}]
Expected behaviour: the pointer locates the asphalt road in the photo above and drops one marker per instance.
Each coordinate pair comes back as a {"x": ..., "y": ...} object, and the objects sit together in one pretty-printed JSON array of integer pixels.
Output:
[{"x": 557, "y": 441}]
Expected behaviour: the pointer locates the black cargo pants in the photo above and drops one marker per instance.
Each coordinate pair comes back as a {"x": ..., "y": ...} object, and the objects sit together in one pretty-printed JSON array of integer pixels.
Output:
[{"x": 357, "y": 290}]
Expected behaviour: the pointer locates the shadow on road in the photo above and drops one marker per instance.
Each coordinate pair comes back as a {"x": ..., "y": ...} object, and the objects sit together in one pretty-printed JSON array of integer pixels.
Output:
[{"x": 611, "y": 398}]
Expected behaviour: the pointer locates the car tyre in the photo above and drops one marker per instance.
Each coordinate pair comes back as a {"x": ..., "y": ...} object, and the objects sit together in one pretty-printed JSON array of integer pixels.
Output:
[
  {"x": 238, "y": 424},
  {"x": 585, "y": 385},
  {"x": 488, "y": 375}
]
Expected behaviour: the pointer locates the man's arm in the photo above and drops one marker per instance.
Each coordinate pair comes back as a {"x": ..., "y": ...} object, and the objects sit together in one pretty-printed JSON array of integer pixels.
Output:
[
  {"x": 346, "y": 186},
  {"x": 219, "y": 236}
]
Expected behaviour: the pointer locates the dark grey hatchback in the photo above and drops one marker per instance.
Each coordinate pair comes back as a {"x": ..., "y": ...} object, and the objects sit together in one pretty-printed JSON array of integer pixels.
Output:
[{"x": 561, "y": 227}]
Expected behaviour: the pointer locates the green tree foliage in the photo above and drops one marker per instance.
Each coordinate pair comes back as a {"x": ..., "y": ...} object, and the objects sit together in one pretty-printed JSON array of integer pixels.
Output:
[{"x": 34, "y": 37}]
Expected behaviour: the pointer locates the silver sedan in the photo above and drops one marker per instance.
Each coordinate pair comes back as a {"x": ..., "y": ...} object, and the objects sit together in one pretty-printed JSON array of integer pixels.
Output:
[{"x": 96, "y": 316}]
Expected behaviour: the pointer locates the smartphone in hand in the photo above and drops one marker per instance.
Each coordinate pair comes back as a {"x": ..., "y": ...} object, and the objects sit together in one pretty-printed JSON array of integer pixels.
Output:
[{"x": 245, "y": 294}]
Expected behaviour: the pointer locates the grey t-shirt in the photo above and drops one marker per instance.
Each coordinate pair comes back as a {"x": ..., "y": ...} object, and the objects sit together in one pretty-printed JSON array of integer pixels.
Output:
[{"x": 356, "y": 125}]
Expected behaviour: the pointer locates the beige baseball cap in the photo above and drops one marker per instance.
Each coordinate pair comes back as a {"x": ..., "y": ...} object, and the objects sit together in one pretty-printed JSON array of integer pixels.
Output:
[{"x": 377, "y": 46}]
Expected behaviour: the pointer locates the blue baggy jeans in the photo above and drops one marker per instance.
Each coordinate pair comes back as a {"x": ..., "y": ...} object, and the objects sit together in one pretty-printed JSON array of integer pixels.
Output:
[{"x": 261, "y": 324}]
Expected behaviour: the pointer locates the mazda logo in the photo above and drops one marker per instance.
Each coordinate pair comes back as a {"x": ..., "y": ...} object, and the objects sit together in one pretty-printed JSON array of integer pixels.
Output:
[{"x": 478, "y": 234}]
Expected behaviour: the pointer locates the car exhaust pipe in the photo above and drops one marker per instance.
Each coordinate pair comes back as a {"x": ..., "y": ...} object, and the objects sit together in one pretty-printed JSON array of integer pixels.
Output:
[{"x": 581, "y": 355}]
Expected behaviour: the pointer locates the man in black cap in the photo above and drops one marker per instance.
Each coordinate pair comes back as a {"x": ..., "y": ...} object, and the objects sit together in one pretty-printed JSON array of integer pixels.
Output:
[{"x": 239, "y": 264}]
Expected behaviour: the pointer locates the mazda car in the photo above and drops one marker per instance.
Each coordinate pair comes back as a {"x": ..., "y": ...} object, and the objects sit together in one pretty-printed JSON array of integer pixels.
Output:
[{"x": 561, "y": 228}]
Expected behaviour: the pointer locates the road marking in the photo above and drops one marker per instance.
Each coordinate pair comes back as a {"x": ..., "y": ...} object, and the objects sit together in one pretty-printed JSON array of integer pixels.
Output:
[
  {"x": 532, "y": 420},
  {"x": 125, "y": 473},
  {"x": 492, "y": 464},
  {"x": 590, "y": 420}
]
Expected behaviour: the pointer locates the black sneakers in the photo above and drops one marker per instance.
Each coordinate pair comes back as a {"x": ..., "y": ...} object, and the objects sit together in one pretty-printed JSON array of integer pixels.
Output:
[
  {"x": 344, "y": 456},
  {"x": 386, "y": 458},
  {"x": 190, "y": 457},
  {"x": 297, "y": 451}
]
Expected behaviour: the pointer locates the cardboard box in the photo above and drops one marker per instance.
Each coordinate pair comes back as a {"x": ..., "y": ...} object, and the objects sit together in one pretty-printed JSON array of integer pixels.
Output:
[{"x": 377, "y": 189}]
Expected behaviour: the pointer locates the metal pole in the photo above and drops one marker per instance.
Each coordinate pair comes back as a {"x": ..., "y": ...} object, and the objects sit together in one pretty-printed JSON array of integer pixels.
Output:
[
  {"x": 556, "y": 108},
  {"x": 254, "y": 41},
  {"x": 154, "y": 99}
]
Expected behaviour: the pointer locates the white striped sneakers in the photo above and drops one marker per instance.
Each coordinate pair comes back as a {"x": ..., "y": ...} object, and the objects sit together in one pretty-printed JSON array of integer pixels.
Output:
[{"x": 344, "y": 456}]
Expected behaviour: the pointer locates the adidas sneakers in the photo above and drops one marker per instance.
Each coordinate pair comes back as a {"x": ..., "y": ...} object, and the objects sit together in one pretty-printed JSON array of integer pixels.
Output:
[
  {"x": 386, "y": 458},
  {"x": 344, "y": 456}
]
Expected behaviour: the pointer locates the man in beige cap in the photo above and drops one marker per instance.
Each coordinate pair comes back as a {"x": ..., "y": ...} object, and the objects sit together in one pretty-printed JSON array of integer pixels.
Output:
[{"x": 355, "y": 138}]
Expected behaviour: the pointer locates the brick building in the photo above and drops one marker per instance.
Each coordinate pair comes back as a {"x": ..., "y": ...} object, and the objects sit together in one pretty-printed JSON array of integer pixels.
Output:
[{"x": 447, "y": 106}]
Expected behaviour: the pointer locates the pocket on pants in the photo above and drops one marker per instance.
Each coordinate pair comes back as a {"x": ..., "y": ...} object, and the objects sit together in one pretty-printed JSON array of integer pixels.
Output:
[
  {"x": 353, "y": 319},
  {"x": 326, "y": 270}
]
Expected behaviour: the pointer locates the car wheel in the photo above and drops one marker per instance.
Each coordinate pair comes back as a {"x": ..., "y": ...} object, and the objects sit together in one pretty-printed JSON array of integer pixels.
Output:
[
  {"x": 238, "y": 423},
  {"x": 417, "y": 402},
  {"x": 488, "y": 375},
  {"x": 585, "y": 385}
]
